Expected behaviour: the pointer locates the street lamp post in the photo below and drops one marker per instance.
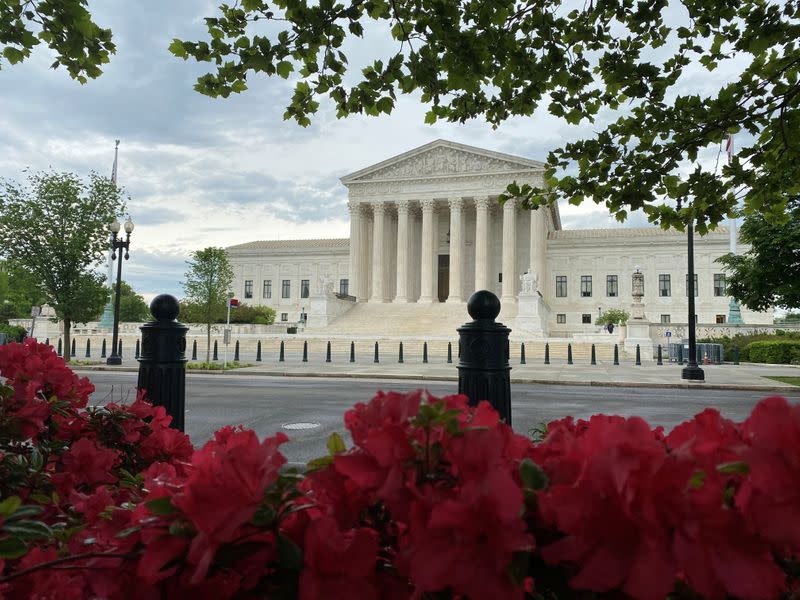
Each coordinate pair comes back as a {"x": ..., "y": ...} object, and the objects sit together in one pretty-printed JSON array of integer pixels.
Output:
[
  {"x": 117, "y": 245},
  {"x": 691, "y": 371}
]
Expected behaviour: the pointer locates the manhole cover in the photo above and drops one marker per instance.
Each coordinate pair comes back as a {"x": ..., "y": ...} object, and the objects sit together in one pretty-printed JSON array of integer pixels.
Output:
[{"x": 300, "y": 425}]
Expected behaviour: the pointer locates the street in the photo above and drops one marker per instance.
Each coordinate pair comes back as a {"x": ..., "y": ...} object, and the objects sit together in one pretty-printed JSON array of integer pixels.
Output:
[{"x": 309, "y": 409}]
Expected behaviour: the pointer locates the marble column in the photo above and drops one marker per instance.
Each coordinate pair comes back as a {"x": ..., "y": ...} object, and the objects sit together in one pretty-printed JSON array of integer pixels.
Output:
[
  {"x": 538, "y": 244},
  {"x": 427, "y": 288},
  {"x": 482, "y": 243},
  {"x": 402, "y": 250},
  {"x": 456, "y": 250},
  {"x": 362, "y": 292},
  {"x": 354, "y": 267},
  {"x": 378, "y": 262},
  {"x": 509, "y": 251}
]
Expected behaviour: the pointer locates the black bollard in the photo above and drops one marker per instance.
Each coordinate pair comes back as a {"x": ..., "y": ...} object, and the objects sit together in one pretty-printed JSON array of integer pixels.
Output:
[
  {"x": 215, "y": 356},
  {"x": 546, "y": 353},
  {"x": 46, "y": 341},
  {"x": 522, "y": 354},
  {"x": 400, "y": 355},
  {"x": 59, "y": 347},
  {"x": 736, "y": 355},
  {"x": 136, "y": 354},
  {"x": 328, "y": 353},
  {"x": 162, "y": 364},
  {"x": 459, "y": 348},
  {"x": 88, "y": 348},
  {"x": 659, "y": 361},
  {"x": 258, "y": 351},
  {"x": 638, "y": 356},
  {"x": 281, "y": 354},
  {"x": 594, "y": 356},
  {"x": 352, "y": 352},
  {"x": 119, "y": 349},
  {"x": 680, "y": 353},
  {"x": 194, "y": 350},
  {"x": 236, "y": 352},
  {"x": 72, "y": 351},
  {"x": 424, "y": 352},
  {"x": 449, "y": 352},
  {"x": 483, "y": 370},
  {"x": 305, "y": 351},
  {"x": 569, "y": 354},
  {"x": 103, "y": 349},
  {"x": 376, "y": 353},
  {"x": 616, "y": 354}
]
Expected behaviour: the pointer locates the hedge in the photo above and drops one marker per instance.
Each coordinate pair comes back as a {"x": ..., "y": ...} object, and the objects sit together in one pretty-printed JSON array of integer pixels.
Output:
[{"x": 774, "y": 352}]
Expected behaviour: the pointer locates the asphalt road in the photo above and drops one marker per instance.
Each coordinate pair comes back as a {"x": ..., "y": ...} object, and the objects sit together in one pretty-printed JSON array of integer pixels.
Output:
[{"x": 290, "y": 404}]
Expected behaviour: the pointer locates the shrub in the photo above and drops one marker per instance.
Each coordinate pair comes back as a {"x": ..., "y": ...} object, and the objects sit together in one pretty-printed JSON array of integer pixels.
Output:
[
  {"x": 741, "y": 341},
  {"x": 15, "y": 333},
  {"x": 613, "y": 316},
  {"x": 784, "y": 352}
]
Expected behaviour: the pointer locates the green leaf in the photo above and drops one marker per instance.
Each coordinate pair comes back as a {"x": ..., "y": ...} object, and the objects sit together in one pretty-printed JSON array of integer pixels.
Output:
[
  {"x": 336, "y": 444},
  {"x": 13, "y": 55},
  {"x": 698, "y": 479},
  {"x": 12, "y": 548},
  {"x": 28, "y": 530},
  {"x": 284, "y": 68},
  {"x": 319, "y": 463},
  {"x": 532, "y": 475},
  {"x": 9, "y": 505},
  {"x": 161, "y": 506},
  {"x": 178, "y": 49},
  {"x": 737, "y": 467},
  {"x": 23, "y": 512}
]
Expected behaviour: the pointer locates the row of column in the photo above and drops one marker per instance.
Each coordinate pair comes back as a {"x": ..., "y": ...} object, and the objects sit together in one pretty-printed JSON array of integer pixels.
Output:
[{"x": 359, "y": 234}]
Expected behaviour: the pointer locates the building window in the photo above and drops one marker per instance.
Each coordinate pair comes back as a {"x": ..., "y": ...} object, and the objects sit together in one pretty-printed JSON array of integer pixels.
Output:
[
  {"x": 248, "y": 288},
  {"x": 586, "y": 318},
  {"x": 344, "y": 287},
  {"x": 499, "y": 278},
  {"x": 612, "y": 286},
  {"x": 267, "y": 288},
  {"x": 665, "y": 319},
  {"x": 720, "y": 319},
  {"x": 586, "y": 286},
  {"x": 561, "y": 286},
  {"x": 696, "y": 289},
  {"x": 304, "y": 288},
  {"x": 719, "y": 285},
  {"x": 284, "y": 316},
  {"x": 664, "y": 286},
  {"x": 561, "y": 318},
  {"x": 286, "y": 289}
]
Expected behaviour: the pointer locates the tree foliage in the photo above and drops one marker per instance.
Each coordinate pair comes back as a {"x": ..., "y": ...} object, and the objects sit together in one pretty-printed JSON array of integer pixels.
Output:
[
  {"x": 56, "y": 229},
  {"x": 768, "y": 274},
  {"x": 19, "y": 291},
  {"x": 65, "y": 26},
  {"x": 208, "y": 283},
  {"x": 132, "y": 307},
  {"x": 615, "y": 64}
]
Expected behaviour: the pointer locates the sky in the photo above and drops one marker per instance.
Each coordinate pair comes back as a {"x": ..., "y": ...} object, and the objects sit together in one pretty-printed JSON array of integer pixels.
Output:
[{"x": 205, "y": 172}]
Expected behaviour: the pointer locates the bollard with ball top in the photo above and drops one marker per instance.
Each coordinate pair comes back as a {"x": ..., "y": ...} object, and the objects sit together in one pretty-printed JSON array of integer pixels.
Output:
[
  {"x": 162, "y": 364},
  {"x": 484, "y": 372}
]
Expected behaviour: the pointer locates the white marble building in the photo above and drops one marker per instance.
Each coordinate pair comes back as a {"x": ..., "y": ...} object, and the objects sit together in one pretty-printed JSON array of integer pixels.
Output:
[{"x": 426, "y": 229}]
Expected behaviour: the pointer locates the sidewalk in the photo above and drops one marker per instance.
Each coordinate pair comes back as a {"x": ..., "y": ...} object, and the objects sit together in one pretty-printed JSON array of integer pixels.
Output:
[{"x": 740, "y": 377}]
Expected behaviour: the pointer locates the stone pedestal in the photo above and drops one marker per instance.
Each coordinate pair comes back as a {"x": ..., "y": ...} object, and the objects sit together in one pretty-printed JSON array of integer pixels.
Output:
[
  {"x": 532, "y": 314},
  {"x": 325, "y": 308},
  {"x": 639, "y": 333}
]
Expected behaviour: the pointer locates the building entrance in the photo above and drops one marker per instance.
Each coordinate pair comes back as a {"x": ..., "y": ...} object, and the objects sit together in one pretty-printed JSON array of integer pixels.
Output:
[{"x": 444, "y": 277}]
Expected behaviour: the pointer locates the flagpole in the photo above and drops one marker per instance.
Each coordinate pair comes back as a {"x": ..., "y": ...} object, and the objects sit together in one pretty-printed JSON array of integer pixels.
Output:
[
  {"x": 107, "y": 320},
  {"x": 734, "y": 311}
]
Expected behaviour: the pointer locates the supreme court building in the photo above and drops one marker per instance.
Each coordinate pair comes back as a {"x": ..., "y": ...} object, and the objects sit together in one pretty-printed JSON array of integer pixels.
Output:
[{"x": 426, "y": 231}]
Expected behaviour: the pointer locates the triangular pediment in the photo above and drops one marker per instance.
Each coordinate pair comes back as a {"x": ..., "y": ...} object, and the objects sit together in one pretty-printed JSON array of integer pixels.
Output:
[{"x": 441, "y": 159}]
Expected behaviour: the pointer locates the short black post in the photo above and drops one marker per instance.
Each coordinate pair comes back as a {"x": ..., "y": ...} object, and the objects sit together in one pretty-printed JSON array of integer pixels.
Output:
[
  {"x": 58, "y": 352},
  {"x": 638, "y": 356},
  {"x": 400, "y": 354},
  {"x": 736, "y": 355},
  {"x": 236, "y": 352},
  {"x": 352, "y": 352},
  {"x": 522, "y": 354},
  {"x": 449, "y": 352},
  {"x": 659, "y": 361},
  {"x": 328, "y": 353},
  {"x": 616, "y": 354},
  {"x": 162, "y": 364},
  {"x": 594, "y": 356},
  {"x": 459, "y": 348},
  {"x": 281, "y": 354},
  {"x": 547, "y": 353},
  {"x": 88, "y": 347},
  {"x": 483, "y": 370},
  {"x": 136, "y": 354},
  {"x": 424, "y": 352},
  {"x": 103, "y": 349},
  {"x": 119, "y": 349},
  {"x": 680, "y": 353},
  {"x": 46, "y": 341},
  {"x": 194, "y": 349},
  {"x": 376, "y": 359},
  {"x": 215, "y": 356},
  {"x": 72, "y": 351},
  {"x": 305, "y": 351},
  {"x": 258, "y": 351},
  {"x": 569, "y": 354}
]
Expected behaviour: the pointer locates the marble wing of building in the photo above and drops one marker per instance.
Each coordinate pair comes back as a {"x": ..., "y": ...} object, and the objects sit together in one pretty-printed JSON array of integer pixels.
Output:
[{"x": 426, "y": 231}]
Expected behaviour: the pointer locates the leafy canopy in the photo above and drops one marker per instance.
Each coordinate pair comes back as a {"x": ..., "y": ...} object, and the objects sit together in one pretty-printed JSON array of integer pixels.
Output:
[
  {"x": 615, "y": 64},
  {"x": 132, "y": 307},
  {"x": 65, "y": 26},
  {"x": 208, "y": 283}
]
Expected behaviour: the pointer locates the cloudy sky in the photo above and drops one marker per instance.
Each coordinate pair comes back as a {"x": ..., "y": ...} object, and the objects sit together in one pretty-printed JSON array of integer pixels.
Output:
[{"x": 214, "y": 172}]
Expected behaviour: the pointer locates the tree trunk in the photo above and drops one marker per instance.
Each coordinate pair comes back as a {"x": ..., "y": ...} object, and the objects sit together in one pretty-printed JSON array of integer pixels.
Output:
[
  {"x": 67, "y": 340},
  {"x": 208, "y": 344}
]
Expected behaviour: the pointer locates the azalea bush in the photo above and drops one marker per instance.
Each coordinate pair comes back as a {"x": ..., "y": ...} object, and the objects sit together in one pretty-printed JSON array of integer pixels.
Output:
[{"x": 434, "y": 499}]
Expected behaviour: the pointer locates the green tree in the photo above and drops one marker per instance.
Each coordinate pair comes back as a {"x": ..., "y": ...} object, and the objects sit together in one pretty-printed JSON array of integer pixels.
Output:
[
  {"x": 615, "y": 64},
  {"x": 65, "y": 26},
  {"x": 768, "y": 274},
  {"x": 56, "y": 229},
  {"x": 19, "y": 291},
  {"x": 132, "y": 307},
  {"x": 207, "y": 286}
]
